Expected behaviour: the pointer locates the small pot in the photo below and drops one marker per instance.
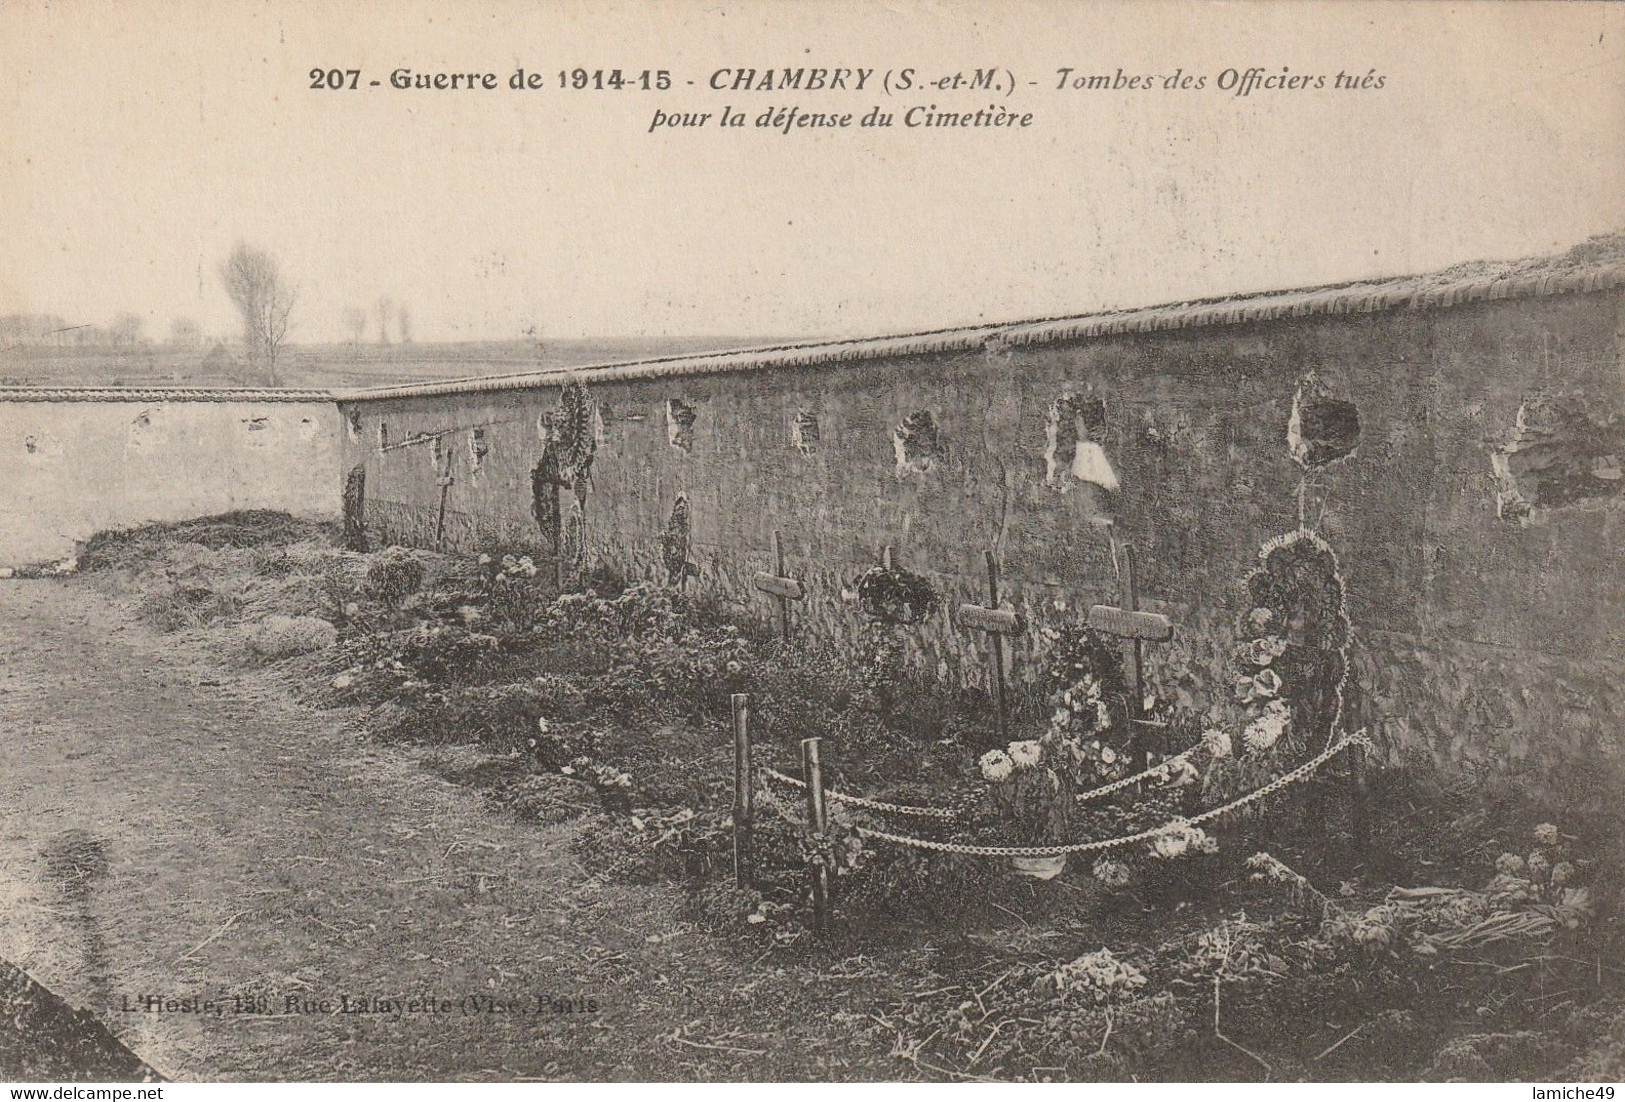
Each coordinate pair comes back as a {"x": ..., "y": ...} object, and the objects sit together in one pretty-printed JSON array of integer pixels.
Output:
[{"x": 1039, "y": 868}]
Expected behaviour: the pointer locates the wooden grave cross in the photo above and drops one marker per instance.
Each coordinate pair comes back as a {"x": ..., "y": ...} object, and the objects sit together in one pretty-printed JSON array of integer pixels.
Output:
[
  {"x": 782, "y": 588},
  {"x": 997, "y": 623},
  {"x": 1139, "y": 628}
]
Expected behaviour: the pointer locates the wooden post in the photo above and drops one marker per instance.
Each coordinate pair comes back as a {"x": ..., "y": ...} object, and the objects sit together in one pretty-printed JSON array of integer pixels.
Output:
[
  {"x": 998, "y": 645},
  {"x": 1137, "y": 627},
  {"x": 445, "y": 491},
  {"x": 1359, "y": 783},
  {"x": 784, "y": 605},
  {"x": 744, "y": 801},
  {"x": 997, "y": 623},
  {"x": 1131, "y": 595},
  {"x": 817, "y": 815},
  {"x": 779, "y": 586}
]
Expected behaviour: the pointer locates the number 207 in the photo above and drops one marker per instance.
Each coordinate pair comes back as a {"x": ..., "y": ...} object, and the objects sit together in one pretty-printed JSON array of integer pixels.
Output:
[{"x": 334, "y": 78}]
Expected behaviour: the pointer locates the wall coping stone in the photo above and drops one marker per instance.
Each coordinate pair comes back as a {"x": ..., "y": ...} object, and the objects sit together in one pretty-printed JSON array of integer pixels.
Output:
[{"x": 1419, "y": 292}]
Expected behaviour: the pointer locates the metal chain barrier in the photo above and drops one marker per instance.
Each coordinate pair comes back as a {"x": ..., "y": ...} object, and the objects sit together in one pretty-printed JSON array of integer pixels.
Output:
[
  {"x": 1161, "y": 770},
  {"x": 1283, "y": 781},
  {"x": 872, "y": 805}
]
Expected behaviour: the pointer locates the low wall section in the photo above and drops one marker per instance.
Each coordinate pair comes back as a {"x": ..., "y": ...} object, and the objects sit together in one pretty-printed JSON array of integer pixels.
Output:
[
  {"x": 78, "y": 461},
  {"x": 1488, "y": 627}
]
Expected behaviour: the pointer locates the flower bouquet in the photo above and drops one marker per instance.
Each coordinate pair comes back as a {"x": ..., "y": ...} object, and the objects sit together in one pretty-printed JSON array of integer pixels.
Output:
[{"x": 1030, "y": 799}]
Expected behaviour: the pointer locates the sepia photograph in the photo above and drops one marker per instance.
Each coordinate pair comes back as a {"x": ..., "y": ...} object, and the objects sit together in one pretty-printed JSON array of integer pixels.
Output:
[{"x": 854, "y": 541}]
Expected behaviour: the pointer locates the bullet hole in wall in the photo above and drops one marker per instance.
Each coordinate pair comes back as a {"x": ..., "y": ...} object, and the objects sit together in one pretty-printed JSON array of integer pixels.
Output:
[
  {"x": 257, "y": 424},
  {"x": 352, "y": 419},
  {"x": 147, "y": 431},
  {"x": 478, "y": 449},
  {"x": 42, "y": 446},
  {"x": 680, "y": 418},
  {"x": 1557, "y": 455},
  {"x": 1074, "y": 443},
  {"x": 1322, "y": 429},
  {"x": 917, "y": 444},
  {"x": 804, "y": 433}
]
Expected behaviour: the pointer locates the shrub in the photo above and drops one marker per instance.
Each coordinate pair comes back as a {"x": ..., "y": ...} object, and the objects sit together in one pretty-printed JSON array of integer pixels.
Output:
[
  {"x": 507, "y": 716},
  {"x": 904, "y": 883},
  {"x": 285, "y": 636},
  {"x": 261, "y": 528},
  {"x": 633, "y": 848},
  {"x": 179, "y": 606},
  {"x": 551, "y": 798},
  {"x": 441, "y": 653},
  {"x": 393, "y": 576}
]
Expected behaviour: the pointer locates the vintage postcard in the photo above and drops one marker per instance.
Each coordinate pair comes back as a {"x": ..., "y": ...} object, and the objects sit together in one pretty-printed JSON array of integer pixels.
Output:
[{"x": 851, "y": 541}]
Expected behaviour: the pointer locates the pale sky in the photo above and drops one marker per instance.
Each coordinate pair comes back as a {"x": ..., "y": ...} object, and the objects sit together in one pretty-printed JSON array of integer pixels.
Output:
[{"x": 138, "y": 140}]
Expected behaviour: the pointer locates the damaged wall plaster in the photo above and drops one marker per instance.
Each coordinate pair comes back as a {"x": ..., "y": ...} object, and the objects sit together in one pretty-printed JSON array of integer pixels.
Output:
[
  {"x": 680, "y": 418},
  {"x": 1322, "y": 429},
  {"x": 916, "y": 443},
  {"x": 1557, "y": 455},
  {"x": 1074, "y": 439}
]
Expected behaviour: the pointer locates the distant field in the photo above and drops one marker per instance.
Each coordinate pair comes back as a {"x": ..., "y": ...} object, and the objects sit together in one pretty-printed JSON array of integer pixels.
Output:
[{"x": 333, "y": 365}]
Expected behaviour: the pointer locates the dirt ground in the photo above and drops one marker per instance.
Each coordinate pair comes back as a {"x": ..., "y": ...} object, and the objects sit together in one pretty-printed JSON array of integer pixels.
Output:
[{"x": 173, "y": 827}]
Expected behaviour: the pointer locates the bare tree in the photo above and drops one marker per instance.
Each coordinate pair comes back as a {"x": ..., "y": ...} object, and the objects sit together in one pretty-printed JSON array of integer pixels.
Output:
[
  {"x": 264, "y": 301},
  {"x": 386, "y": 307},
  {"x": 403, "y": 324},
  {"x": 184, "y": 333},
  {"x": 355, "y": 323},
  {"x": 125, "y": 330}
]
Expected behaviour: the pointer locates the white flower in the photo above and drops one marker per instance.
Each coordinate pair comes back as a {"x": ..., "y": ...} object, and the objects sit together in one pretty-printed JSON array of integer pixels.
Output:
[
  {"x": 1266, "y": 684},
  {"x": 996, "y": 766},
  {"x": 1562, "y": 873},
  {"x": 1181, "y": 838},
  {"x": 1113, "y": 874},
  {"x": 1170, "y": 845},
  {"x": 1265, "y": 731},
  {"x": 1260, "y": 652},
  {"x": 1108, "y": 755},
  {"x": 1179, "y": 772},
  {"x": 1025, "y": 754},
  {"x": 541, "y": 724},
  {"x": 1216, "y": 742},
  {"x": 1509, "y": 863},
  {"x": 1546, "y": 834},
  {"x": 1260, "y": 618},
  {"x": 1538, "y": 867}
]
